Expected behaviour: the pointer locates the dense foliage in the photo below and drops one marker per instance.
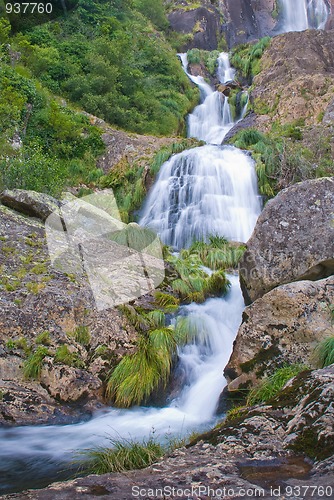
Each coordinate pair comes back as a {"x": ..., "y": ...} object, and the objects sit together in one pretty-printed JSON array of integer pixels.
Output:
[{"x": 110, "y": 58}]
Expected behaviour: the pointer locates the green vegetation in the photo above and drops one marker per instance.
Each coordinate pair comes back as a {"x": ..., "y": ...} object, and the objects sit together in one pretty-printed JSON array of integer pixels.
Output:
[
  {"x": 246, "y": 58},
  {"x": 82, "y": 335},
  {"x": 283, "y": 159},
  {"x": 324, "y": 352},
  {"x": 218, "y": 253},
  {"x": 43, "y": 338},
  {"x": 235, "y": 413},
  {"x": 111, "y": 60},
  {"x": 138, "y": 375},
  {"x": 270, "y": 386},
  {"x": 194, "y": 284},
  {"x": 204, "y": 58},
  {"x": 129, "y": 181},
  {"x": 65, "y": 356},
  {"x": 32, "y": 367},
  {"x": 122, "y": 456}
]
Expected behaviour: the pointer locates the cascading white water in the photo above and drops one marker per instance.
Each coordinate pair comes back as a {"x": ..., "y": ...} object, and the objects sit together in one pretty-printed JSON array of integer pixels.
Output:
[
  {"x": 41, "y": 450},
  {"x": 212, "y": 119},
  {"x": 299, "y": 15},
  {"x": 207, "y": 190},
  {"x": 203, "y": 191}
]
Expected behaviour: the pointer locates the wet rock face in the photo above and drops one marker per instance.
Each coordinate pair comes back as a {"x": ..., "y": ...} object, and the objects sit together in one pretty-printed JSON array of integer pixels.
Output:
[
  {"x": 246, "y": 20},
  {"x": 202, "y": 24},
  {"x": 47, "y": 309},
  {"x": 293, "y": 239},
  {"x": 282, "y": 327}
]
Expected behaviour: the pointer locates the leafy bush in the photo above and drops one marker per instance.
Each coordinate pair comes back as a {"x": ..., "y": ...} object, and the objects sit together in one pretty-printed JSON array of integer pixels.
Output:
[
  {"x": 270, "y": 386},
  {"x": 246, "y": 57}
]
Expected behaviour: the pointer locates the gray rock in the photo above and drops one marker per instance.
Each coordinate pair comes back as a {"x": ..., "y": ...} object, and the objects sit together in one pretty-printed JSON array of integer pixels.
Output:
[
  {"x": 30, "y": 202},
  {"x": 293, "y": 239},
  {"x": 282, "y": 327},
  {"x": 208, "y": 22}
]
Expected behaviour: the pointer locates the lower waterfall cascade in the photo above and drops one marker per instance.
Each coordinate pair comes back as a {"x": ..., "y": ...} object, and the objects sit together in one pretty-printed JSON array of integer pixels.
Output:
[
  {"x": 210, "y": 189},
  {"x": 299, "y": 15}
]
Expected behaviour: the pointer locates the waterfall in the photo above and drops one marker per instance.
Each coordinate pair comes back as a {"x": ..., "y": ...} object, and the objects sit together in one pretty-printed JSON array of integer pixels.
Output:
[
  {"x": 202, "y": 191},
  {"x": 209, "y": 189},
  {"x": 212, "y": 119},
  {"x": 41, "y": 452},
  {"x": 299, "y": 15},
  {"x": 206, "y": 190}
]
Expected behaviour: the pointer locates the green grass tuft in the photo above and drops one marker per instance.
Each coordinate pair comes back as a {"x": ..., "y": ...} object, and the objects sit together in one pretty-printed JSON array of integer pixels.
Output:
[
  {"x": 270, "y": 386},
  {"x": 123, "y": 455},
  {"x": 32, "y": 367},
  {"x": 324, "y": 353}
]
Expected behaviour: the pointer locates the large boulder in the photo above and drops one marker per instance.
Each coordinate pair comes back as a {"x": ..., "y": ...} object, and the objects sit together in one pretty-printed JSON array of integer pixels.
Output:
[
  {"x": 283, "y": 327},
  {"x": 30, "y": 202},
  {"x": 202, "y": 25},
  {"x": 293, "y": 239},
  {"x": 295, "y": 85}
]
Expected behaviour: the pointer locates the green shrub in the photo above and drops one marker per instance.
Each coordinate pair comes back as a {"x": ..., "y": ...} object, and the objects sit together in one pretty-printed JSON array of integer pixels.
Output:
[
  {"x": 270, "y": 386},
  {"x": 32, "y": 367},
  {"x": 121, "y": 456},
  {"x": 324, "y": 352}
]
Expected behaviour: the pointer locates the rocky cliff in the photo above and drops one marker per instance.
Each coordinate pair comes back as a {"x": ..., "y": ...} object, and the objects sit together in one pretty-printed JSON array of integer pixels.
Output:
[
  {"x": 226, "y": 23},
  {"x": 55, "y": 347}
]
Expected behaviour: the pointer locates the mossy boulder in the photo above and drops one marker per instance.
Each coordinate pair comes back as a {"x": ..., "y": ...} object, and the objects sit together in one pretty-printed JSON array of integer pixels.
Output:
[
  {"x": 293, "y": 239},
  {"x": 31, "y": 203},
  {"x": 283, "y": 327}
]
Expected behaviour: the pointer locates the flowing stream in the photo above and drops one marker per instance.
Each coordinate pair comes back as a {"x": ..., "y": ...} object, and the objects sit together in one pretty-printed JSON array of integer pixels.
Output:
[
  {"x": 299, "y": 15},
  {"x": 207, "y": 190}
]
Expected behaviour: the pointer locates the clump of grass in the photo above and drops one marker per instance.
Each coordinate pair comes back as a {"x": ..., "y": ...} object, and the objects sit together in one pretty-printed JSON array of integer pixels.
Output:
[
  {"x": 43, "y": 338},
  {"x": 166, "y": 301},
  {"x": 123, "y": 455},
  {"x": 33, "y": 365},
  {"x": 138, "y": 375},
  {"x": 35, "y": 288},
  {"x": 235, "y": 413},
  {"x": 193, "y": 283},
  {"x": 39, "y": 269},
  {"x": 246, "y": 57},
  {"x": 82, "y": 335},
  {"x": 270, "y": 386},
  {"x": 324, "y": 353},
  {"x": 65, "y": 356}
]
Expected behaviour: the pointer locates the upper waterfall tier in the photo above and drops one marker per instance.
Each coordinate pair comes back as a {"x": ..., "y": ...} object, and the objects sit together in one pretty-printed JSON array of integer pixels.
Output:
[
  {"x": 212, "y": 119},
  {"x": 299, "y": 15},
  {"x": 203, "y": 191}
]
